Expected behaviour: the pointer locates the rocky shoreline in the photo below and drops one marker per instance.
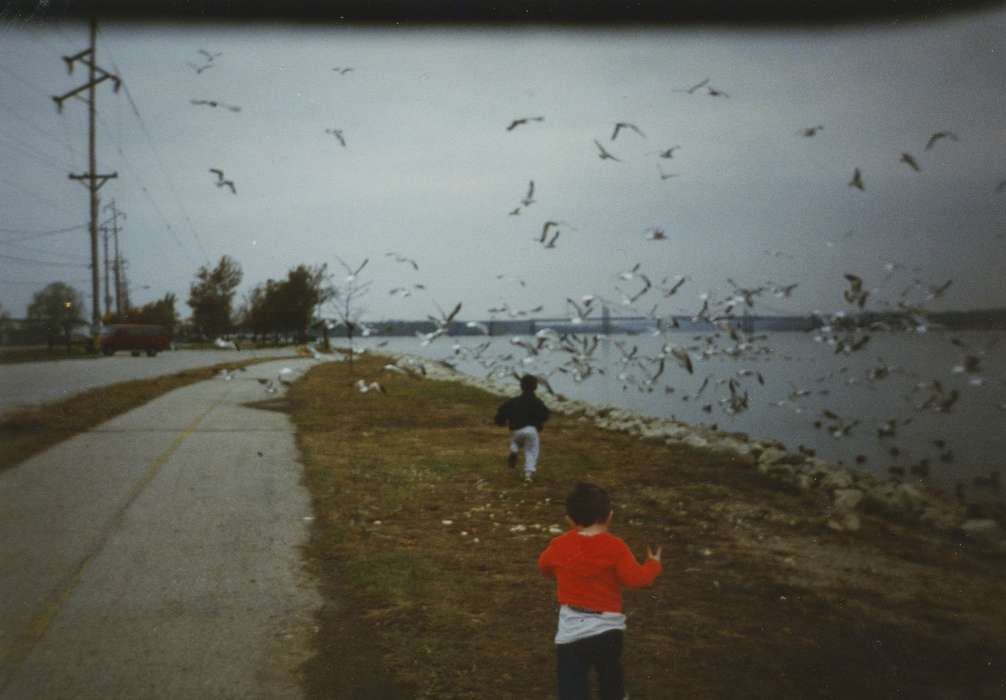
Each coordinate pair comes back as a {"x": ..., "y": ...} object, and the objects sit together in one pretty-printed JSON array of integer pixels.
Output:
[{"x": 849, "y": 492}]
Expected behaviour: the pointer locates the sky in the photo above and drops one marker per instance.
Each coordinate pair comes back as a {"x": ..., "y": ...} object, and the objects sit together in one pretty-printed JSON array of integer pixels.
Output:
[{"x": 429, "y": 170}]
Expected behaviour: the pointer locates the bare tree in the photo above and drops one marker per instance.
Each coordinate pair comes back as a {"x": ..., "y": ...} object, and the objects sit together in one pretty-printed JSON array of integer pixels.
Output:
[{"x": 345, "y": 300}]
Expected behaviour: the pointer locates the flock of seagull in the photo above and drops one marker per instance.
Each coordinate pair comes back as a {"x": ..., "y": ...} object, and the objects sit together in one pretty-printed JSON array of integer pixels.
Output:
[{"x": 574, "y": 354}]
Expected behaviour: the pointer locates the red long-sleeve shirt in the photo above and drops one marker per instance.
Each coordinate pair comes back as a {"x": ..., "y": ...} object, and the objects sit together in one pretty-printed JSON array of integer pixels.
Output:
[{"x": 590, "y": 571}]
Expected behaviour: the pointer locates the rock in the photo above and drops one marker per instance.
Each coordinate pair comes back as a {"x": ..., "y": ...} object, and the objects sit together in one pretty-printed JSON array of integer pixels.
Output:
[
  {"x": 837, "y": 479},
  {"x": 985, "y": 529},
  {"x": 909, "y": 498},
  {"x": 805, "y": 482},
  {"x": 771, "y": 455},
  {"x": 941, "y": 518},
  {"x": 696, "y": 441},
  {"x": 776, "y": 470},
  {"x": 845, "y": 521},
  {"x": 847, "y": 500}
]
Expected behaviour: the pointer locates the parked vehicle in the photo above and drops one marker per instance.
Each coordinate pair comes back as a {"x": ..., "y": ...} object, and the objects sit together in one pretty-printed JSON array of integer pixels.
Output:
[{"x": 136, "y": 338}]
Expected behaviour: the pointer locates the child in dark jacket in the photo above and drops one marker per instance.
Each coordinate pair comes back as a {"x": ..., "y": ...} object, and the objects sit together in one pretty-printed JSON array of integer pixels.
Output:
[
  {"x": 525, "y": 415},
  {"x": 591, "y": 566}
]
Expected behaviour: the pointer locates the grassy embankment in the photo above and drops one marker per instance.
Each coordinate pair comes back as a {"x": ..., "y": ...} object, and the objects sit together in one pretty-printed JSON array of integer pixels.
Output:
[
  {"x": 29, "y": 431},
  {"x": 425, "y": 545}
]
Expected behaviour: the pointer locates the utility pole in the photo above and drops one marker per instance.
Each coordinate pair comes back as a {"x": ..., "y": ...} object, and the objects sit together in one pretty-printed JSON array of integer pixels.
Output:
[
  {"x": 93, "y": 180},
  {"x": 108, "y": 292},
  {"x": 116, "y": 265}
]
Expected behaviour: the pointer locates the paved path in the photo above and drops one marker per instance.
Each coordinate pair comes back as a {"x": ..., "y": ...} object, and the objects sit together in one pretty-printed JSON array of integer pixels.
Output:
[
  {"x": 32, "y": 383},
  {"x": 157, "y": 555}
]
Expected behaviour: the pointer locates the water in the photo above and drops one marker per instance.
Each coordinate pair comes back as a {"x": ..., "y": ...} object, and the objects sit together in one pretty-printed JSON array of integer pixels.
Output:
[{"x": 802, "y": 379}]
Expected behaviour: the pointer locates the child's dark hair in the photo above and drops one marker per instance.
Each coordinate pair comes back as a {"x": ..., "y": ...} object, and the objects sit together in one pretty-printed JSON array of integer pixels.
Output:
[
  {"x": 587, "y": 504},
  {"x": 528, "y": 383}
]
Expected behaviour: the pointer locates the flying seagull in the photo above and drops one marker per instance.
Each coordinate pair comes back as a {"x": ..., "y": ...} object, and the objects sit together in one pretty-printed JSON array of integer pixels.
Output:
[
  {"x": 547, "y": 226},
  {"x": 603, "y": 154},
  {"x": 940, "y": 135},
  {"x": 693, "y": 88},
  {"x": 667, "y": 153},
  {"x": 625, "y": 125},
  {"x": 810, "y": 131},
  {"x": 663, "y": 175},
  {"x": 908, "y": 159},
  {"x": 529, "y": 197},
  {"x": 857, "y": 180},
  {"x": 342, "y": 70},
  {"x": 221, "y": 182},
  {"x": 210, "y": 56},
  {"x": 523, "y": 120},
  {"x": 656, "y": 234},
  {"x": 353, "y": 273},
  {"x": 337, "y": 133},
  {"x": 214, "y": 103},
  {"x": 198, "y": 69}
]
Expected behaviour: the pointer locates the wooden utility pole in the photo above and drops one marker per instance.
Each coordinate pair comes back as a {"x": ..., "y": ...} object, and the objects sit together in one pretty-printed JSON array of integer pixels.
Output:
[
  {"x": 108, "y": 291},
  {"x": 116, "y": 266},
  {"x": 93, "y": 180}
]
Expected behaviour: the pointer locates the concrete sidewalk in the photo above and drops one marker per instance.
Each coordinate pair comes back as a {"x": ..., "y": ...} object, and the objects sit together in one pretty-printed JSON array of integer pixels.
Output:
[{"x": 157, "y": 555}]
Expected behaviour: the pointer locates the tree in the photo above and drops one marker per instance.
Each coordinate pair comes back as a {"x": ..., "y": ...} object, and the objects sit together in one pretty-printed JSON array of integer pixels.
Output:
[
  {"x": 288, "y": 306},
  {"x": 159, "y": 313},
  {"x": 346, "y": 298},
  {"x": 57, "y": 309},
  {"x": 306, "y": 289},
  {"x": 211, "y": 297}
]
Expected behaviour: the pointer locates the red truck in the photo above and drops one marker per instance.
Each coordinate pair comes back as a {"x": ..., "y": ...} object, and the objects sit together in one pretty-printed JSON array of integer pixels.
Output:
[{"x": 136, "y": 338}]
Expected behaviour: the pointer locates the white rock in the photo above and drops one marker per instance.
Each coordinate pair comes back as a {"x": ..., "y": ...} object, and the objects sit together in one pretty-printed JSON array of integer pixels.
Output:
[
  {"x": 771, "y": 455},
  {"x": 982, "y": 528},
  {"x": 847, "y": 499},
  {"x": 846, "y": 521},
  {"x": 837, "y": 479}
]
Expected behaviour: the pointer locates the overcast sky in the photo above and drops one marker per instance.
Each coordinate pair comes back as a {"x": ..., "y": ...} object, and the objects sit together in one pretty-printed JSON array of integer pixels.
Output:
[{"x": 430, "y": 171}]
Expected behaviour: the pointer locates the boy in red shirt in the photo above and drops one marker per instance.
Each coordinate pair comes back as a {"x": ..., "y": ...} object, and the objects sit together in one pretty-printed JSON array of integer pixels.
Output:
[{"x": 591, "y": 566}]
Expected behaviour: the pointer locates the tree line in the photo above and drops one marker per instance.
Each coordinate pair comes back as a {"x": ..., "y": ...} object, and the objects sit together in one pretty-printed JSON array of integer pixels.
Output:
[{"x": 286, "y": 307}]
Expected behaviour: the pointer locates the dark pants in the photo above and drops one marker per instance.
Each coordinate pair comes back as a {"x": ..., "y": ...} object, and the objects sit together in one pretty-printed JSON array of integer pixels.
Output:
[{"x": 603, "y": 652}]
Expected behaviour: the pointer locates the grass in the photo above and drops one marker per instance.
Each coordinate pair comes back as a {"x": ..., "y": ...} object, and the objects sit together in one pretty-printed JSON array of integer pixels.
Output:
[
  {"x": 29, "y": 431},
  {"x": 425, "y": 545}
]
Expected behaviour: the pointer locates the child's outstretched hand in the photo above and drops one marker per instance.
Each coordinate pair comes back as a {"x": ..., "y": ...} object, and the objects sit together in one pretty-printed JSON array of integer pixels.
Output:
[{"x": 650, "y": 554}]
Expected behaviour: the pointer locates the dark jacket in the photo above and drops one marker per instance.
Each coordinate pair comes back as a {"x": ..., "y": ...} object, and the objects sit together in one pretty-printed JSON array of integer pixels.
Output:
[{"x": 522, "y": 411}]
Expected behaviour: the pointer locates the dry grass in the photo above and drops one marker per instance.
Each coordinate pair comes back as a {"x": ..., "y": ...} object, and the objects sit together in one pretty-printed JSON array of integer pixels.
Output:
[
  {"x": 416, "y": 544},
  {"x": 27, "y": 432}
]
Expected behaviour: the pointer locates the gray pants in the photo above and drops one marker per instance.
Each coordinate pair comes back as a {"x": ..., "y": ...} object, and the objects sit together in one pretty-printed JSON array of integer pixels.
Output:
[{"x": 526, "y": 437}]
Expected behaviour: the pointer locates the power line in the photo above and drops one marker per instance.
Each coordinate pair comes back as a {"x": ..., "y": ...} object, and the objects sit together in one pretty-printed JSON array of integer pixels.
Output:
[
  {"x": 27, "y": 150},
  {"x": 31, "y": 249},
  {"x": 43, "y": 233},
  {"x": 157, "y": 156},
  {"x": 42, "y": 262},
  {"x": 37, "y": 196}
]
